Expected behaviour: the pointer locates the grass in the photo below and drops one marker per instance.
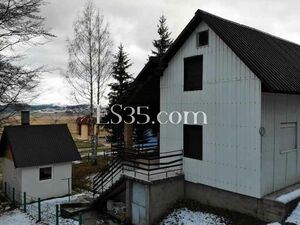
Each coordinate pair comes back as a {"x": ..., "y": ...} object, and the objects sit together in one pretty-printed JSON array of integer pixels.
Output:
[
  {"x": 230, "y": 217},
  {"x": 86, "y": 144},
  {"x": 82, "y": 172}
]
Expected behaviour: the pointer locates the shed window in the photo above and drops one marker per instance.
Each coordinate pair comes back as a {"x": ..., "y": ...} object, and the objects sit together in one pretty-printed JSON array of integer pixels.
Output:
[
  {"x": 193, "y": 70},
  {"x": 46, "y": 173},
  {"x": 202, "y": 38},
  {"x": 192, "y": 143},
  {"x": 288, "y": 136}
]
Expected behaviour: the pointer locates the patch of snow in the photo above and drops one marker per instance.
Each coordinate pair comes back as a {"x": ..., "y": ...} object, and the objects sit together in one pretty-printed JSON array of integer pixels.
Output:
[
  {"x": 289, "y": 196},
  {"x": 187, "y": 217},
  {"x": 16, "y": 217},
  {"x": 91, "y": 177},
  {"x": 295, "y": 216},
  {"x": 276, "y": 223}
]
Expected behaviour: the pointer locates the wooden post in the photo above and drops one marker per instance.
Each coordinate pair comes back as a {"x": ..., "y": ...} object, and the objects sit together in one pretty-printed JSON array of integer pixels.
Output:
[{"x": 128, "y": 132}]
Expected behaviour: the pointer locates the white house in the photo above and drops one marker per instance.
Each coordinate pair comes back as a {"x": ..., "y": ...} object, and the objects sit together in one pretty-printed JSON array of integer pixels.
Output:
[
  {"x": 37, "y": 159},
  {"x": 248, "y": 84}
]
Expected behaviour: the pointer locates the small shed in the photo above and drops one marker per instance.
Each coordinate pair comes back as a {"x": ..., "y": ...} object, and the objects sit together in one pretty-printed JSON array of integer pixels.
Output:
[
  {"x": 83, "y": 124},
  {"x": 37, "y": 159}
]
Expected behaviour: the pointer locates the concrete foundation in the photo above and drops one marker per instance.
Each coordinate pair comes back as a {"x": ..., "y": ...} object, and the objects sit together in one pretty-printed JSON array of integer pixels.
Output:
[
  {"x": 146, "y": 202},
  {"x": 265, "y": 209}
]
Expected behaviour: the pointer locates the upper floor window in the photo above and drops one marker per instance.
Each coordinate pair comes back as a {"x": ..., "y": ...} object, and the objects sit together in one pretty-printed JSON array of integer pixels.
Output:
[
  {"x": 193, "y": 70},
  {"x": 202, "y": 38}
]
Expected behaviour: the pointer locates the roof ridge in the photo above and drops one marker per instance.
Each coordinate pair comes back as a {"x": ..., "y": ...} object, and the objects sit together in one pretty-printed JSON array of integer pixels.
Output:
[{"x": 199, "y": 11}]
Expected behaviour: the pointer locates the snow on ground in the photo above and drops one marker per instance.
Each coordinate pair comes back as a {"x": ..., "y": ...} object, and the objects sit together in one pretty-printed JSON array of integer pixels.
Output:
[
  {"x": 187, "y": 217},
  {"x": 16, "y": 217},
  {"x": 295, "y": 216},
  {"x": 289, "y": 196}
]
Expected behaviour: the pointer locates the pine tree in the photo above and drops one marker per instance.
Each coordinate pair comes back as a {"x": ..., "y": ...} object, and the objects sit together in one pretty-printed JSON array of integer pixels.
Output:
[
  {"x": 122, "y": 82},
  {"x": 164, "y": 41}
]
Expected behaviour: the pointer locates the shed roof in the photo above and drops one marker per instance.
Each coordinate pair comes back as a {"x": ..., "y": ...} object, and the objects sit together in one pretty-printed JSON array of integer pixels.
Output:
[
  {"x": 36, "y": 145},
  {"x": 276, "y": 62},
  {"x": 85, "y": 120}
]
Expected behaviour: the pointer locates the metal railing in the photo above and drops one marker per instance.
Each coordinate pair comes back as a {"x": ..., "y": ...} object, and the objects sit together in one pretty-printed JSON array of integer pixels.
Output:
[{"x": 145, "y": 163}]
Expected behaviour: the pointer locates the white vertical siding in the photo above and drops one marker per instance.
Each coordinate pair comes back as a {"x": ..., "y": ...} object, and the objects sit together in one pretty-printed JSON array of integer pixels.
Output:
[
  {"x": 231, "y": 97},
  {"x": 55, "y": 187},
  {"x": 11, "y": 175},
  {"x": 279, "y": 169}
]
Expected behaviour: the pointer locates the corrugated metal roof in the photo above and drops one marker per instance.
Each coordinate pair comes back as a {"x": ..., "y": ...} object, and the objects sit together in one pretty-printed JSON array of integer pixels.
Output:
[
  {"x": 36, "y": 145},
  {"x": 276, "y": 62}
]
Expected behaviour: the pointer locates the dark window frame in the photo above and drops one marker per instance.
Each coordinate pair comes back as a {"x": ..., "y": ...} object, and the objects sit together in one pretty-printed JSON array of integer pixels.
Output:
[
  {"x": 193, "y": 76},
  {"x": 203, "y": 38},
  {"x": 44, "y": 173},
  {"x": 191, "y": 144}
]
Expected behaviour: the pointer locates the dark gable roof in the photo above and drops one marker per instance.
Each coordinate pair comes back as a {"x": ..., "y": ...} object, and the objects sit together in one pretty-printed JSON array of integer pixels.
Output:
[
  {"x": 37, "y": 145},
  {"x": 276, "y": 62}
]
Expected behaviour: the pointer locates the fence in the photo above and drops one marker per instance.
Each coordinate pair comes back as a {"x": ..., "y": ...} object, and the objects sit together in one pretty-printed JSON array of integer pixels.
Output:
[{"x": 40, "y": 210}]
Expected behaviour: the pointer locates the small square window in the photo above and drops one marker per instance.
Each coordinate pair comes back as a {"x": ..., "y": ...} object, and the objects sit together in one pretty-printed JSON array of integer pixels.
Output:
[
  {"x": 288, "y": 136},
  {"x": 193, "y": 70},
  {"x": 46, "y": 173},
  {"x": 202, "y": 38}
]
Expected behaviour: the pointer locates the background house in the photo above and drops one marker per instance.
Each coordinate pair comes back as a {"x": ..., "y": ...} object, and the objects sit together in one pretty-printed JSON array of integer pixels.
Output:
[
  {"x": 83, "y": 131},
  {"x": 37, "y": 159}
]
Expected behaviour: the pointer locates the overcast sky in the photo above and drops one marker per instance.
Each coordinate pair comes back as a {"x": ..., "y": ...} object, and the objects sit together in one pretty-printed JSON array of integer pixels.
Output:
[{"x": 133, "y": 22}]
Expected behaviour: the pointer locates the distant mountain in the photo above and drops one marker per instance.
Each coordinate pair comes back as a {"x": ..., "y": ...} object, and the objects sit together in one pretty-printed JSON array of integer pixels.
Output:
[{"x": 50, "y": 108}]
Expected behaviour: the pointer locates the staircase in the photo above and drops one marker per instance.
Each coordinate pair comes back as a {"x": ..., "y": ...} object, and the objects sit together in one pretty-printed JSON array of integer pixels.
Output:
[
  {"x": 105, "y": 179},
  {"x": 143, "y": 164}
]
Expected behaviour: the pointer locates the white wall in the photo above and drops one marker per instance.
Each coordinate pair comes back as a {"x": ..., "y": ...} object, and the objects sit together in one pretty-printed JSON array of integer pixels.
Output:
[
  {"x": 11, "y": 175},
  {"x": 48, "y": 188},
  {"x": 231, "y": 97},
  {"x": 279, "y": 168}
]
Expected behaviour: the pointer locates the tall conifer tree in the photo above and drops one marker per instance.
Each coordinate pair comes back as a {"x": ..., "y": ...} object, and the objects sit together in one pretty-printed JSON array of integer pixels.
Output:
[
  {"x": 122, "y": 79},
  {"x": 164, "y": 41}
]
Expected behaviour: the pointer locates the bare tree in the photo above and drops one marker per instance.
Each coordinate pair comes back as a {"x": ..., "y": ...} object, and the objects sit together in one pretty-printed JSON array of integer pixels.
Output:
[
  {"x": 20, "y": 24},
  {"x": 89, "y": 66}
]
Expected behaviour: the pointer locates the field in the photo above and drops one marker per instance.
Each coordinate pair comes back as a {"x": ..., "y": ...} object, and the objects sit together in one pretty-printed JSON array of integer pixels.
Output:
[{"x": 52, "y": 118}]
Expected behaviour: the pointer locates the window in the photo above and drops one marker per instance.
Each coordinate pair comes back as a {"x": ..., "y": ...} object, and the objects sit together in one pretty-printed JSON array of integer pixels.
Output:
[
  {"x": 193, "y": 69},
  {"x": 46, "y": 173},
  {"x": 288, "y": 136},
  {"x": 192, "y": 141},
  {"x": 202, "y": 38}
]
